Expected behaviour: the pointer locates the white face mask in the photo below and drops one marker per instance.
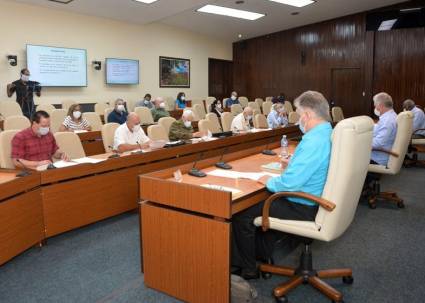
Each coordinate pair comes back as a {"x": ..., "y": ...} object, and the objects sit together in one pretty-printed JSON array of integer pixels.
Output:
[
  {"x": 25, "y": 78},
  {"x": 43, "y": 131},
  {"x": 218, "y": 105},
  {"x": 233, "y": 98},
  {"x": 147, "y": 101},
  {"x": 282, "y": 110},
  {"x": 187, "y": 124},
  {"x": 249, "y": 118},
  {"x": 136, "y": 128},
  {"x": 121, "y": 108},
  {"x": 182, "y": 98},
  {"x": 377, "y": 112},
  {"x": 76, "y": 114},
  {"x": 162, "y": 105}
]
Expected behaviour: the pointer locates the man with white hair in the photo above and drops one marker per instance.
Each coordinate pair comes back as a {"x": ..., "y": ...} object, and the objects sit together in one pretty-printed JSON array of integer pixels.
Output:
[
  {"x": 182, "y": 129},
  {"x": 306, "y": 171},
  {"x": 158, "y": 111},
  {"x": 418, "y": 119},
  {"x": 242, "y": 121},
  {"x": 130, "y": 135},
  {"x": 385, "y": 130}
]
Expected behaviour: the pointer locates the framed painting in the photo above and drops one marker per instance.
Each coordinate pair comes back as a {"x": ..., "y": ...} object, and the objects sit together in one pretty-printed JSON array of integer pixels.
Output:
[{"x": 174, "y": 72}]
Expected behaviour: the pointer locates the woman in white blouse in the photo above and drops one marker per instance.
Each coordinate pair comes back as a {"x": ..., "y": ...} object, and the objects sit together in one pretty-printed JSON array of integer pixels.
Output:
[{"x": 74, "y": 120}]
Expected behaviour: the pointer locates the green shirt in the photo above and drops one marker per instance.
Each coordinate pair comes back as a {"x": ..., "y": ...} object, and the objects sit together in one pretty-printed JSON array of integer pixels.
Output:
[
  {"x": 158, "y": 113},
  {"x": 180, "y": 132}
]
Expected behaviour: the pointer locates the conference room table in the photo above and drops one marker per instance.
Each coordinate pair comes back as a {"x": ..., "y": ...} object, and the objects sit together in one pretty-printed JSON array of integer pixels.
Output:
[
  {"x": 186, "y": 223},
  {"x": 21, "y": 213}
]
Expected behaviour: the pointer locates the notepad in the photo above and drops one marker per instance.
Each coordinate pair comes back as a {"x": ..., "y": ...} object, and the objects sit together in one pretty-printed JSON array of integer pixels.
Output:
[
  {"x": 88, "y": 160},
  {"x": 234, "y": 191},
  {"x": 62, "y": 164},
  {"x": 239, "y": 175},
  {"x": 273, "y": 167}
]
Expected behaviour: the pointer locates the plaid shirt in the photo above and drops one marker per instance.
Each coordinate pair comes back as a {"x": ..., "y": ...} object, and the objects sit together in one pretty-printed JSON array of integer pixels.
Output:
[{"x": 27, "y": 145}]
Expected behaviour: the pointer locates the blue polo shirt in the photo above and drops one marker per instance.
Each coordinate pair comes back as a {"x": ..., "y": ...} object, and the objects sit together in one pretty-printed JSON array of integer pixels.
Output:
[
  {"x": 117, "y": 117},
  {"x": 307, "y": 170}
]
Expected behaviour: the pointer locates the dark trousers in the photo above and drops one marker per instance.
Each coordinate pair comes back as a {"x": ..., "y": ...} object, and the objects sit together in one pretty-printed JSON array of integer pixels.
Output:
[
  {"x": 371, "y": 177},
  {"x": 250, "y": 243}
]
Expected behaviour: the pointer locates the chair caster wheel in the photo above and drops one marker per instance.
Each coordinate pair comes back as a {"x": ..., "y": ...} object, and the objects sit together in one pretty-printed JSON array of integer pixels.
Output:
[
  {"x": 372, "y": 206},
  {"x": 266, "y": 275},
  {"x": 400, "y": 204},
  {"x": 282, "y": 299},
  {"x": 348, "y": 280}
]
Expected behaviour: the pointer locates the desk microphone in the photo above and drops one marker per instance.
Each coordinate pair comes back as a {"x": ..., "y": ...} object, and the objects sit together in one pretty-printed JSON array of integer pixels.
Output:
[
  {"x": 23, "y": 173},
  {"x": 114, "y": 155},
  {"x": 268, "y": 151},
  {"x": 221, "y": 164},
  {"x": 196, "y": 172},
  {"x": 139, "y": 151}
]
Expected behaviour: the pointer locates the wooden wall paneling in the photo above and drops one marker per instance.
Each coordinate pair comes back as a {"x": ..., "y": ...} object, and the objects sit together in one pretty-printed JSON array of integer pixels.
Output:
[{"x": 220, "y": 78}]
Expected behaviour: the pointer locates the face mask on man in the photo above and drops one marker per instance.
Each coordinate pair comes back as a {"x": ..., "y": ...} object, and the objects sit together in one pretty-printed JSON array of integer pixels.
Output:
[
  {"x": 76, "y": 114},
  {"x": 218, "y": 105},
  {"x": 121, "y": 107},
  {"x": 249, "y": 118},
  {"x": 25, "y": 78},
  {"x": 233, "y": 98},
  {"x": 136, "y": 128},
  {"x": 301, "y": 125},
  {"x": 147, "y": 101},
  {"x": 162, "y": 105},
  {"x": 187, "y": 124},
  {"x": 377, "y": 112},
  {"x": 43, "y": 131}
]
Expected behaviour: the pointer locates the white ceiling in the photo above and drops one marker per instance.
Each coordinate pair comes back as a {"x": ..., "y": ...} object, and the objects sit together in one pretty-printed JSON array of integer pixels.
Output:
[{"x": 182, "y": 14}]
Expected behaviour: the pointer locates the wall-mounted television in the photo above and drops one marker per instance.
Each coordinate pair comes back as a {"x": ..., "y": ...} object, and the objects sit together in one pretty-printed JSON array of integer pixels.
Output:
[
  {"x": 122, "y": 71},
  {"x": 57, "y": 66}
]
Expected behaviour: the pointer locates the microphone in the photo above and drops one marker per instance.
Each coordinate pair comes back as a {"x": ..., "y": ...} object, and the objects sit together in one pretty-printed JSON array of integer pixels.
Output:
[
  {"x": 114, "y": 155},
  {"x": 267, "y": 151},
  {"x": 25, "y": 172},
  {"x": 221, "y": 164},
  {"x": 196, "y": 172},
  {"x": 139, "y": 151}
]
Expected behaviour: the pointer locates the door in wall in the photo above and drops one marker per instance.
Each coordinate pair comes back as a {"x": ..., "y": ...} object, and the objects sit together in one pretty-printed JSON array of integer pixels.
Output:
[
  {"x": 347, "y": 91},
  {"x": 220, "y": 78}
]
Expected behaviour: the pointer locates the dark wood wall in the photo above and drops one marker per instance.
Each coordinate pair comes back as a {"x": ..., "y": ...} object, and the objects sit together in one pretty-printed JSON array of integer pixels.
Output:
[
  {"x": 338, "y": 58},
  {"x": 220, "y": 78}
]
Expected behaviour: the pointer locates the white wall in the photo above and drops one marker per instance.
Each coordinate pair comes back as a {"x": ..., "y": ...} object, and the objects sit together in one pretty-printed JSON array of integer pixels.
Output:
[{"x": 22, "y": 24}]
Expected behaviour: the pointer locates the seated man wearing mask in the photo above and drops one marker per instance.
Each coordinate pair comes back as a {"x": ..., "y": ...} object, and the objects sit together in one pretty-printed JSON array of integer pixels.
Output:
[
  {"x": 36, "y": 145},
  {"x": 277, "y": 116},
  {"x": 146, "y": 102},
  {"x": 232, "y": 100},
  {"x": 159, "y": 111},
  {"x": 182, "y": 129},
  {"x": 385, "y": 130},
  {"x": 119, "y": 114},
  {"x": 242, "y": 121},
  {"x": 306, "y": 171},
  {"x": 418, "y": 119},
  {"x": 130, "y": 135}
]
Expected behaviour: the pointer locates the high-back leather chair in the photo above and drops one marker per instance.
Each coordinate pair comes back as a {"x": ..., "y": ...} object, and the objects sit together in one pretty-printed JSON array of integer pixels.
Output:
[
  {"x": 205, "y": 125},
  {"x": 236, "y": 109},
  {"x": 100, "y": 108},
  {"x": 208, "y": 102},
  {"x": 70, "y": 143},
  {"x": 108, "y": 133},
  {"x": 16, "y": 122},
  {"x": 260, "y": 121},
  {"x": 215, "y": 123},
  {"x": 226, "y": 121},
  {"x": 6, "y": 148},
  {"x": 259, "y": 102},
  {"x": 56, "y": 119},
  {"x": 254, "y": 105},
  {"x": 66, "y": 104},
  {"x": 267, "y": 107},
  {"x": 350, "y": 156},
  {"x": 293, "y": 117},
  {"x": 269, "y": 99},
  {"x": 145, "y": 115},
  {"x": 157, "y": 132},
  {"x": 199, "y": 111},
  {"x": 166, "y": 122},
  {"x": 288, "y": 107},
  {"x": 395, "y": 161},
  {"x": 48, "y": 108},
  {"x": 243, "y": 101},
  {"x": 94, "y": 120},
  {"x": 337, "y": 114},
  {"x": 9, "y": 108}
]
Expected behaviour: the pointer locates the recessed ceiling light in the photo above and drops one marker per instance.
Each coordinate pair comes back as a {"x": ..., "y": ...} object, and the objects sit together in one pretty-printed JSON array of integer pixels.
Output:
[
  {"x": 230, "y": 12},
  {"x": 146, "y": 1},
  {"x": 296, "y": 3},
  {"x": 240, "y": 36}
]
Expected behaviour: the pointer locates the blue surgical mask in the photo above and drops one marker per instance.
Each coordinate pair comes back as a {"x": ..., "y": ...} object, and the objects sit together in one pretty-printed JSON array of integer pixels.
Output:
[{"x": 301, "y": 126}]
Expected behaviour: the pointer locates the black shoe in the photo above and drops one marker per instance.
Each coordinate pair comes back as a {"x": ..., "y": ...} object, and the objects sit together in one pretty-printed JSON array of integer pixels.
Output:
[{"x": 250, "y": 275}]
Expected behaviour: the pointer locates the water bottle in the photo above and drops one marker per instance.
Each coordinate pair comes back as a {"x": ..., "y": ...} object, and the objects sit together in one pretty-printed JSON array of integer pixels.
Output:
[{"x": 284, "y": 153}]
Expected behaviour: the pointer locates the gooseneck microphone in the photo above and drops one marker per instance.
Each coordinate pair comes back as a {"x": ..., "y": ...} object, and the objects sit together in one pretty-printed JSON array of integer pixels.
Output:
[
  {"x": 221, "y": 164},
  {"x": 114, "y": 155},
  {"x": 268, "y": 151},
  {"x": 25, "y": 172},
  {"x": 196, "y": 172}
]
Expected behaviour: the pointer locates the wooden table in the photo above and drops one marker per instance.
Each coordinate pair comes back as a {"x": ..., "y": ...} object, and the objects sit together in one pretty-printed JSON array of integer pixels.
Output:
[
  {"x": 92, "y": 143},
  {"x": 21, "y": 213},
  {"x": 186, "y": 228}
]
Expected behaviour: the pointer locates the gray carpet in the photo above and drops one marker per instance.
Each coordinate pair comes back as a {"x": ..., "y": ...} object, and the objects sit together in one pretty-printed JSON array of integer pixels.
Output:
[{"x": 101, "y": 263}]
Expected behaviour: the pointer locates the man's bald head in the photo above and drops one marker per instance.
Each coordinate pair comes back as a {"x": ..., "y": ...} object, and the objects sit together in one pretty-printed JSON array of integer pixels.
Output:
[
  {"x": 248, "y": 111},
  {"x": 132, "y": 120},
  {"x": 157, "y": 101}
]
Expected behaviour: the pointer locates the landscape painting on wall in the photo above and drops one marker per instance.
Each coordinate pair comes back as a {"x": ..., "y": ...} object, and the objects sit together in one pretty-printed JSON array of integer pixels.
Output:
[{"x": 174, "y": 72}]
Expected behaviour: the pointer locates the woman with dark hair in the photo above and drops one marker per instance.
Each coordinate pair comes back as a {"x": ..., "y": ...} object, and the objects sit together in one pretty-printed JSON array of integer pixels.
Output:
[
  {"x": 74, "y": 120},
  {"x": 181, "y": 101},
  {"x": 217, "y": 108}
]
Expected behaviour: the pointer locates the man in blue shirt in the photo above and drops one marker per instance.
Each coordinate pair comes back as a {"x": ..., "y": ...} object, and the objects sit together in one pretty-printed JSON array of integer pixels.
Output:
[
  {"x": 119, "y": 114},
  {"x": 306, "y": 171},
  {"x": 418, "y": 119},
  {"x": 277, "y": 116},
  {"x": 232, "y": 100},
  {"x": 385, "y": 130}
]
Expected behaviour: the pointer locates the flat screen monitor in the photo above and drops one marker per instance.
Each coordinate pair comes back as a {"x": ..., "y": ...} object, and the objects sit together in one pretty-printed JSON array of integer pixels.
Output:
[{"x": 122, "y": 71}]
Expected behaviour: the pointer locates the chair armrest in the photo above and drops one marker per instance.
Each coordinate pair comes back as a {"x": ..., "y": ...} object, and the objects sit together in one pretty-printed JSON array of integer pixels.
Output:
[
  {"x": 386, "y": 151},
  {"x": 420, "y": 129},
  {"x": 329, "y": 206}
]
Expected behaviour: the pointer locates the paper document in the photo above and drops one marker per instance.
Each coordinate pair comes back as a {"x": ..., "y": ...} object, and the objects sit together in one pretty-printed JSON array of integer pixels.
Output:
[
  {"x": 88, "y": 160},
  {"x": 62, "y": 164},
  {"x": 257, "y": 130},
  {"x": 239, "y": 175},
  {"x": 234, "y": 191},
  {"x": 80, "y": 131}
]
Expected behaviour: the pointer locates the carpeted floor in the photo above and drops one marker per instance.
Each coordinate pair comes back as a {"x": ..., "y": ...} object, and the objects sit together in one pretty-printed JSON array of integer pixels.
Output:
[{"x": 101, "y": 263}]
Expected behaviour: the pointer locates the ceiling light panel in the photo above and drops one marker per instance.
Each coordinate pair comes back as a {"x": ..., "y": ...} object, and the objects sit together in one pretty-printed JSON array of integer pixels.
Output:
[
  {"x": 296, "y": 3},
  {"x": 230, "y": 12}
]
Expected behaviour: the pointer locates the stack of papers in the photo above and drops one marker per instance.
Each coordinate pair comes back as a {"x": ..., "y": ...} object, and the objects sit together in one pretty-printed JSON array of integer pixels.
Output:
[
  {"x": 240, "y": 175},
  {"x": 62, "y": 164},
  {"x": 88, "y": 160},
  {"x": 234, "y": 191}
]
